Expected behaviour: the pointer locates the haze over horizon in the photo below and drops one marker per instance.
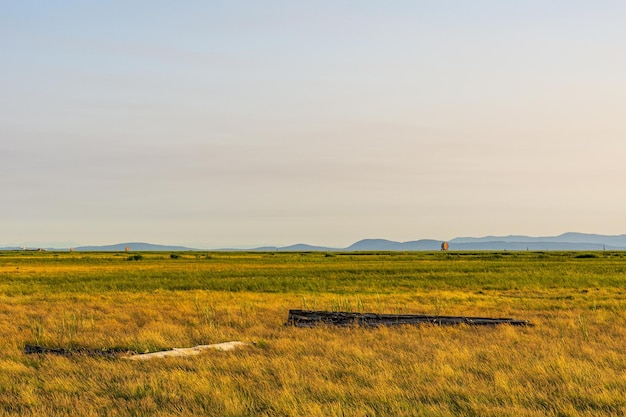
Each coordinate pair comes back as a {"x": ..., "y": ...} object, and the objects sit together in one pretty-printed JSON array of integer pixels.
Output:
[
  {"x": 566, "y": 241},
  {"x": 216, "y": 124}
]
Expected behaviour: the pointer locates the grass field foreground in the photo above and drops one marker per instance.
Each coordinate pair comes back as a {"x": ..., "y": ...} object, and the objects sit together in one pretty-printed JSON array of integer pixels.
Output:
[{"x": 571, "y": 362}]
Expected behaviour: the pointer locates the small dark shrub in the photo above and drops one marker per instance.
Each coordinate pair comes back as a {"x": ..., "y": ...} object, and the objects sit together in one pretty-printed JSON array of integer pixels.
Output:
[{"x": 135, "y": 258}]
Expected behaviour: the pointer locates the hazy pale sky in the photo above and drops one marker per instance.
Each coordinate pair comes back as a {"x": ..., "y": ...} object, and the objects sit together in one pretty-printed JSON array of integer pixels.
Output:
[{"x": 241, "y": 123}]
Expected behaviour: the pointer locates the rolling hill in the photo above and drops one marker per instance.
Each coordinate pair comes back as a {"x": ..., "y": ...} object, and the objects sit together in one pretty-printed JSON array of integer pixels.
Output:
[{"x": 133, "y": 246}]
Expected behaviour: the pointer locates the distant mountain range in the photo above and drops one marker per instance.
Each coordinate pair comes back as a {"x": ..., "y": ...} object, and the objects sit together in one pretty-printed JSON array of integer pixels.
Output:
[{"x": 566, "y": 241}]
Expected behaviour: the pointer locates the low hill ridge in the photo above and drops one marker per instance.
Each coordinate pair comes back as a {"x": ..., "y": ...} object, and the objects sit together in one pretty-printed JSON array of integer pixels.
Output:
[{"x": 133, "y": 246}]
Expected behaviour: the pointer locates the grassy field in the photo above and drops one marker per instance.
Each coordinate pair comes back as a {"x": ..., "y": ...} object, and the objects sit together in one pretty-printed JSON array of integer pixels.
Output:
[{"x": 572, "y": 362}]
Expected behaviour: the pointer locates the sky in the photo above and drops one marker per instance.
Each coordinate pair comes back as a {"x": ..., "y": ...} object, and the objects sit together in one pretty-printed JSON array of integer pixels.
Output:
[{"x": 243, "y": 123}]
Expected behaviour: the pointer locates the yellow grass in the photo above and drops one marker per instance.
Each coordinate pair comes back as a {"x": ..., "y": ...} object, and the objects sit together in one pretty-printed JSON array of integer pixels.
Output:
[{"x": 572, "y": 362}]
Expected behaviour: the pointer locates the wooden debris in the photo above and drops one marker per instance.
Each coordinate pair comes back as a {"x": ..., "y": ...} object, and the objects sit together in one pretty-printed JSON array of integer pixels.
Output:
[
  {"x": 196, "y": 350},
  {"x": 128, "y": 354},
  {"x": 304, "y": 318},
  {"x": 80, "y": 351}
]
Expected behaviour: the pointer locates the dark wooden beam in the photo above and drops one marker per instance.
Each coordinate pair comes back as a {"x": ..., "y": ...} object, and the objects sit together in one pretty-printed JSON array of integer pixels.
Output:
[{"x": 304, "y": 318}]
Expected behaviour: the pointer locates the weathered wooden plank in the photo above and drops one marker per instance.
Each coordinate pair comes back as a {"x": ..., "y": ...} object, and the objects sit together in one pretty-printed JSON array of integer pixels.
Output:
[
  {"x": 307, "y": 318},
  {"x": 192, "y": 351}
]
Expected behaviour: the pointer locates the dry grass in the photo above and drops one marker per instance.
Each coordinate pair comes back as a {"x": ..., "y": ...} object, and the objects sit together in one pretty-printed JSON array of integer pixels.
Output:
[{"x": 572, "y": 362}]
